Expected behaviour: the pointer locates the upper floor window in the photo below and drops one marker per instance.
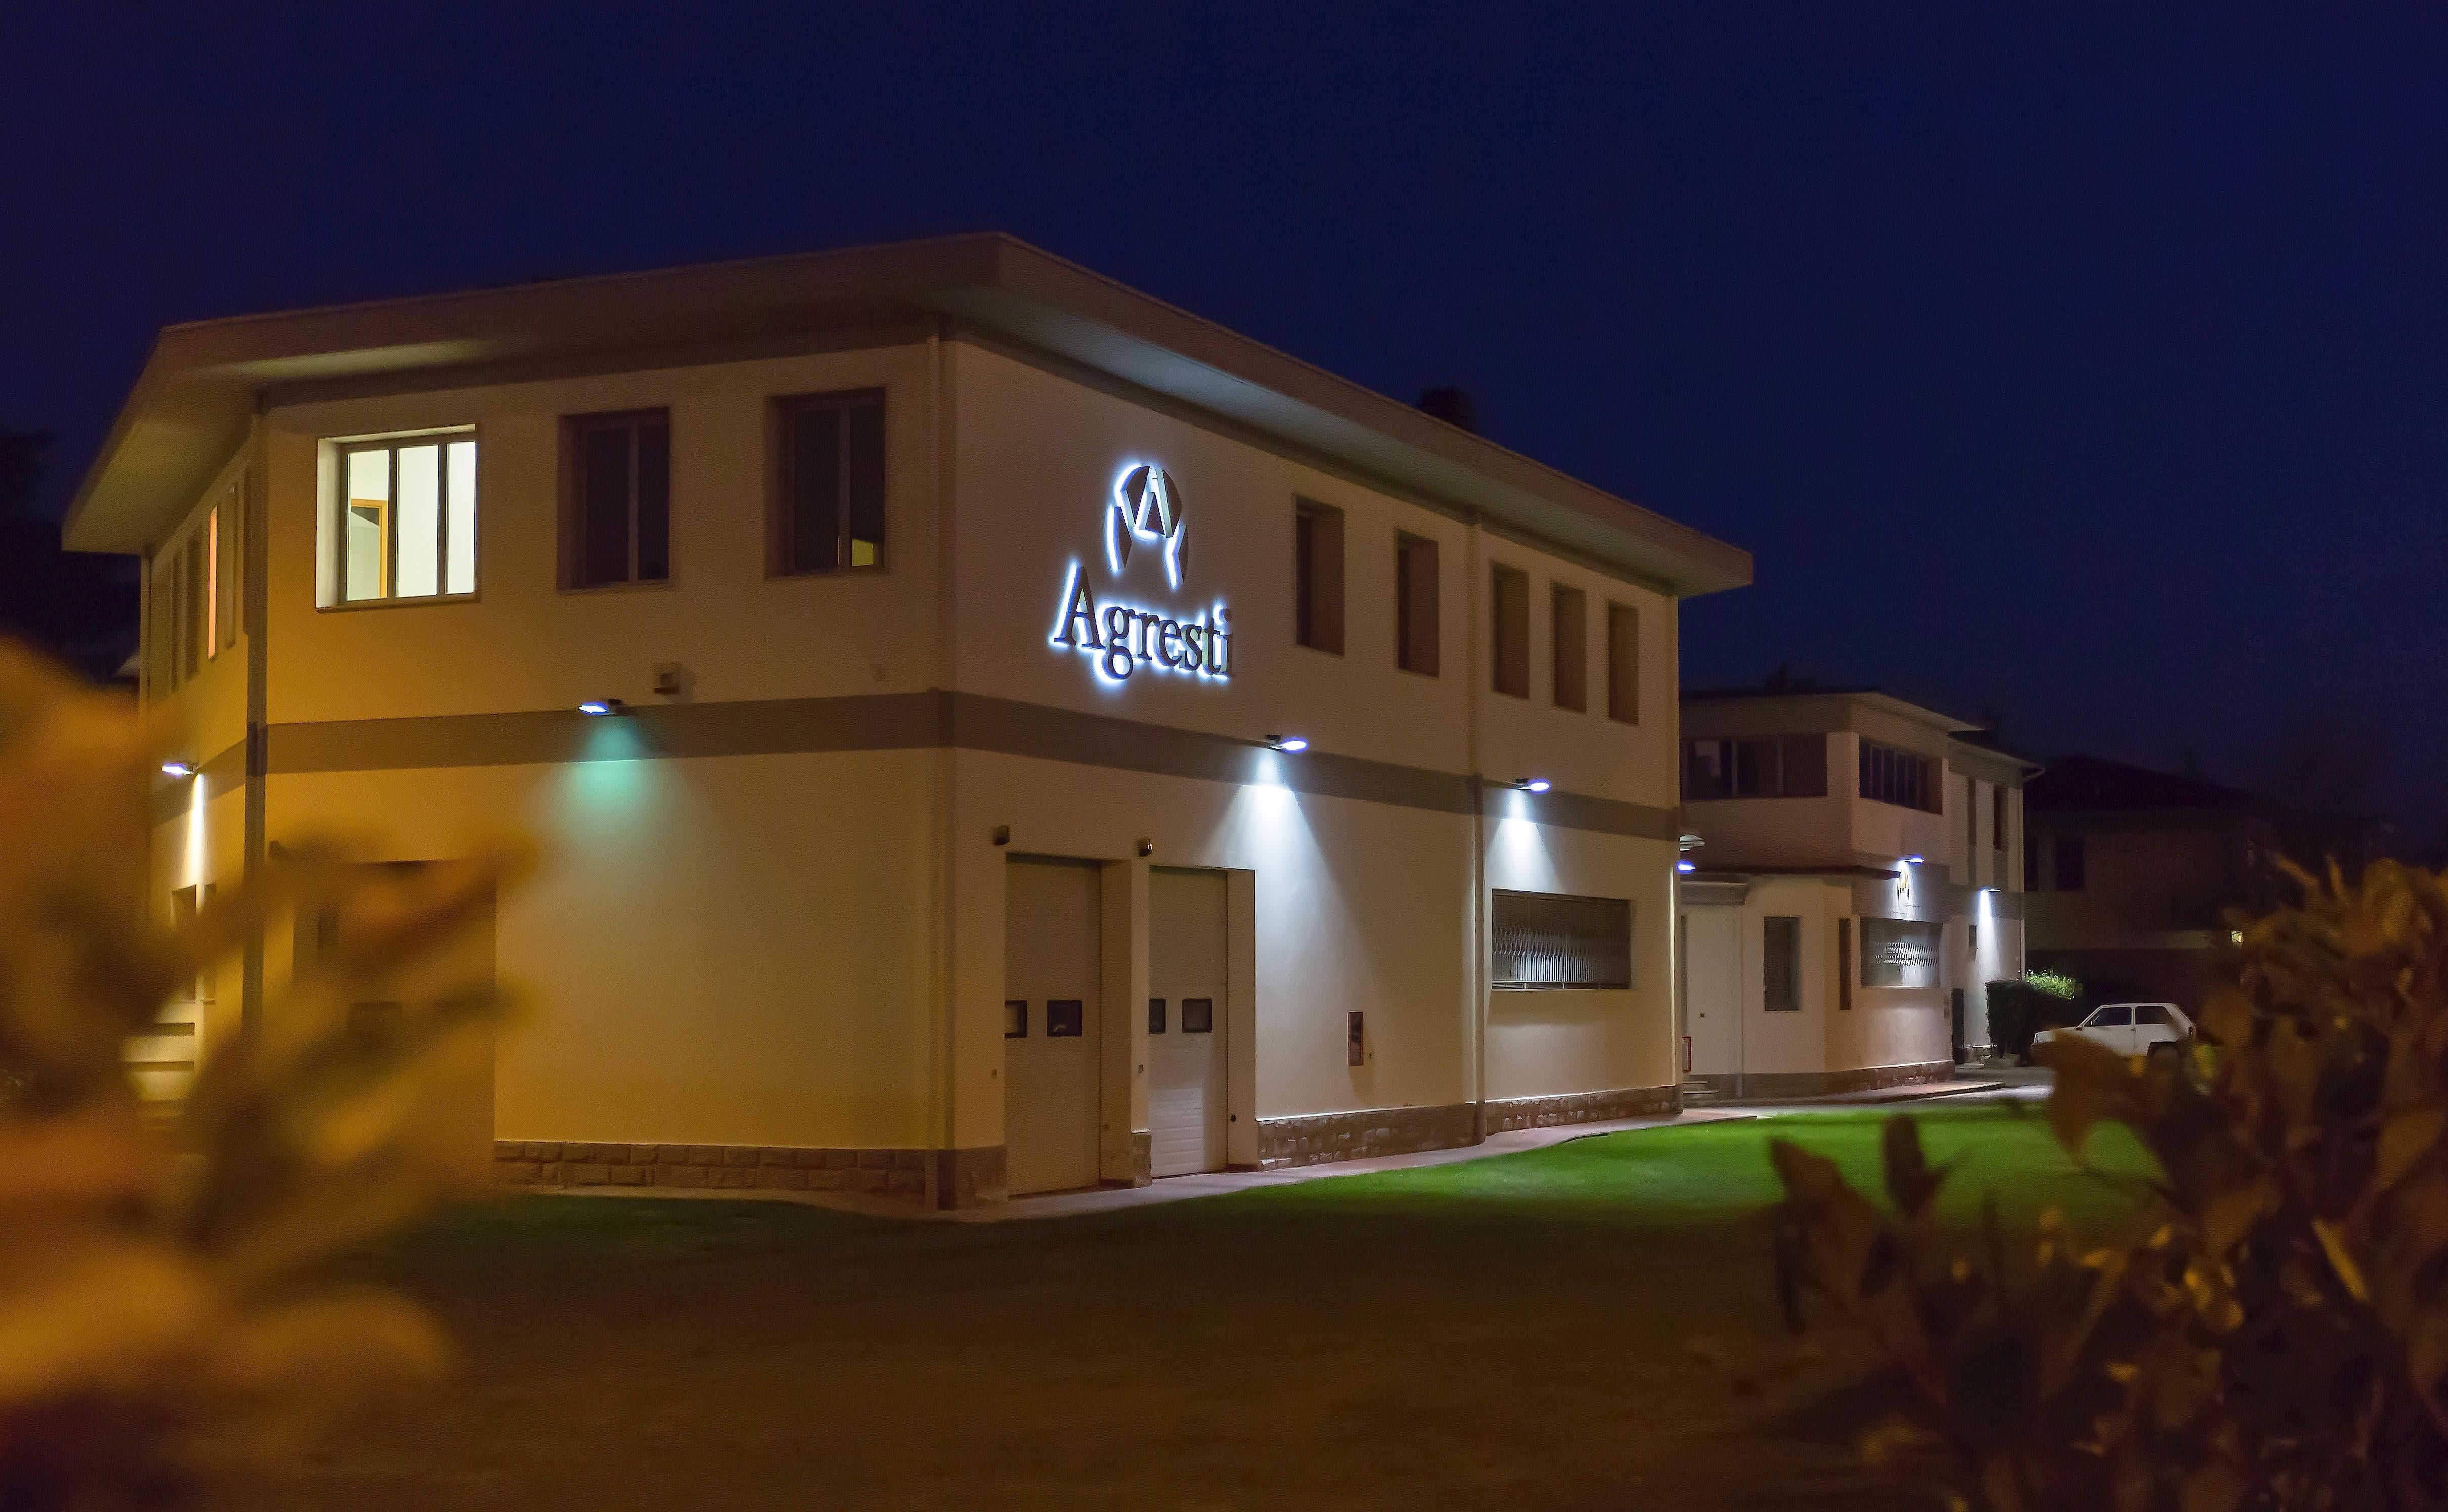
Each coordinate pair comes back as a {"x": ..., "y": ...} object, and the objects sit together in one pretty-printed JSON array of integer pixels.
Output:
[
  {"x": 1623, "y": 664},
  {"x": 1771, "y": 766},
  {"x": 1570, "y": 647},
  {"x": 1415, "y": 603},
  {"x": 616, "y": 511},
  {"x": 828, "y": 511},
  {"x": 1998, "y": 817},
  {"x": 1317, "y": 576},
  {"x": 1509, "y": 588},
  {"x": 1889, "y": 775},
  {"x": 403, "y": 525}
]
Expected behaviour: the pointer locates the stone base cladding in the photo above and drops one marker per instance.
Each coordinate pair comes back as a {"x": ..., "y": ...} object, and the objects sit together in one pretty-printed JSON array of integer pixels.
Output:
[
  {"x": 1312, "y": 1137},
  {"x": 1582, "y": 1107},
  {"x": 748, "y": 1167},
  {"x": 1772, "y": 1086}
]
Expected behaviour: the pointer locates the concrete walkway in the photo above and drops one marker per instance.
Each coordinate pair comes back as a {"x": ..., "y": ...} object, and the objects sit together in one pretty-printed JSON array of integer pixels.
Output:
[{"x": 1170, "y": 1189}]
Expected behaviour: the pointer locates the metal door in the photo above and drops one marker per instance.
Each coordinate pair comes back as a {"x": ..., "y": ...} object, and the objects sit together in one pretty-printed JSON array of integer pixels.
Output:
[
  {"x": 1187, "y": 974},
  {"x": 1051, "y": 1025}
]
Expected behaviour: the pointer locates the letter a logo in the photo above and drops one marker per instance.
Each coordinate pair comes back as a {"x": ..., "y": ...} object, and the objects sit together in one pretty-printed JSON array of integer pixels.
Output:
[{"x": 1147, "y": 509}]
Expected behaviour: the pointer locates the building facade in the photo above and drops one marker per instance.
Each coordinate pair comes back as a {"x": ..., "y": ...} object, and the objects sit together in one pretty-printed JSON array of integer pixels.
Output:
[
  {"x": 992, "y": 732},
  {"x": 1854, "y": 880}
]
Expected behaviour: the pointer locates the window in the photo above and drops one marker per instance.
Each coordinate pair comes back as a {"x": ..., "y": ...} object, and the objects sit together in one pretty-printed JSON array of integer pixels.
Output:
[
  {"x": 1998, "y": 818},
  {"x": 1198, "y": 1015},
  {"x": 2070, "y": 863},
  {"x": 2152, "y": 1014},
  {"x": 404, "y": 526},
  {"x": 213, "y": 609},
  {"x": 228, "y": 517},
  {"x": 1548, "y": 939},
  {"x": 615, "y": 498},
  {"x": 1415, "y": 605},
  {"x": 1014, "y": 1018},
  {"x": 1775, "y": 766},
  {"x": 1623, "y": 664},
  {"x": 2116, "y": 1016},
  {"x": 2031, "y": 867},
  {"x": 1889, "y": 775},
  {"x": 1781, "y": 963},
  {"x": 1317, "y": 576},
  {"x": 1063, "y": 1018},
  {"x": 1510, "y": 616},
  {"x": 162, "y": 641},
  {"x": 1844, "y": 965},
  {"x": 1899, "y": 953},
  {"x": 1571, "y": 647},
  {"x": 193, "y": 626},
  {"x": 829, "y": 483},
  {"x": 1155, "y": 1015}
]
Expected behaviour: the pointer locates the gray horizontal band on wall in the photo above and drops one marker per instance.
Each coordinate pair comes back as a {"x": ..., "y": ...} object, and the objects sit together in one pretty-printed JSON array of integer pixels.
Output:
[{"x": 903, "y": 721}]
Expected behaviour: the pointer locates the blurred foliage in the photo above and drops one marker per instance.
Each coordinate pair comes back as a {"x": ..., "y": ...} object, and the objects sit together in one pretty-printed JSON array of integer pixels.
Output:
[
  {"x": 2275, "y": 1335},
  {"x": 2020, "y": 1007},
  {"x": 161, "y": 1329}
]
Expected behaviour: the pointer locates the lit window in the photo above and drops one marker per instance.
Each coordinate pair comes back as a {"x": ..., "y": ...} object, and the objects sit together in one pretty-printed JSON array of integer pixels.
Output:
[
  {"x": 404, "y": 526},
  {"x": 829, "y": 507}
]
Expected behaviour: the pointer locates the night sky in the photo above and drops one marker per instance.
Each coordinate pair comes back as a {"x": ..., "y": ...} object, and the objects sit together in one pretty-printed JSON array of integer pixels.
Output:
[{"x": 2085, "y": 366}]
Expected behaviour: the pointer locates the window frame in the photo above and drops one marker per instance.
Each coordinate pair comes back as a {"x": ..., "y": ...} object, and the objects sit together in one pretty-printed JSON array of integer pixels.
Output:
[
  {"x": 1508, "y": 624},
  {"x": 1497, "y": 953},
  {"x": 1623, "y": 663},
  {"x": 333, "y": 551},
  {"x": 1920, "y": 793},
  {"x": 1930, "y": 932},
  {"x": 1568, "y": 647},
  {"x": 1781, "y": 963},
  {"x": 781, "y": 540},
  {"x": 575, "y": 431},
  {"x": 1419, "y": 633}
]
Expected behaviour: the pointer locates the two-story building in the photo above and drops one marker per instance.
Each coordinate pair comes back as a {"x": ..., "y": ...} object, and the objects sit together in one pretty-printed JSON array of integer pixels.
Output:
[
  {"x": 993, "y": 732},
  {"x": 1851, "y": 882}
]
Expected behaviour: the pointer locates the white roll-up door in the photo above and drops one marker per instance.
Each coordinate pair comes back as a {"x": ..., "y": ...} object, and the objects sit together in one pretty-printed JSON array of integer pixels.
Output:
[
  {"x": 1050, "y": 1025},
  {"x": 1187, "y": 953}
]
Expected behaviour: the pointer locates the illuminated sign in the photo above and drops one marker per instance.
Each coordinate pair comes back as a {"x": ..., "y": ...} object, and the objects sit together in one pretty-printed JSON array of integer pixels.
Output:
[{"x": 1143, "y": 516}]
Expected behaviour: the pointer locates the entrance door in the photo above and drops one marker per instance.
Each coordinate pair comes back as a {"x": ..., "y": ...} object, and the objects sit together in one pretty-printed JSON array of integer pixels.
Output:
[
  {"x": 1713, "y": 993},
  {"x": 1186, "y": 979},
  {"x": 1051, "y": 1025}
]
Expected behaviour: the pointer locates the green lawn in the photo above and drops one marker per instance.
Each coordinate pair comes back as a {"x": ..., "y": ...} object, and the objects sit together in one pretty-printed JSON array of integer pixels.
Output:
[{"x": 1511, "y": 1332}]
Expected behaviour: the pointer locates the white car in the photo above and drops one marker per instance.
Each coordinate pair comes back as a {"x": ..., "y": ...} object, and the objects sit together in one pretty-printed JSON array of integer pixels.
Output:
[{"x": 2130, "y": 1028}]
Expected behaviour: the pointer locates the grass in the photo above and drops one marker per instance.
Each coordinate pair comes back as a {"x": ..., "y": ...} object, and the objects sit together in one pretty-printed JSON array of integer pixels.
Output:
[{"x": 1510, "y": 1333}]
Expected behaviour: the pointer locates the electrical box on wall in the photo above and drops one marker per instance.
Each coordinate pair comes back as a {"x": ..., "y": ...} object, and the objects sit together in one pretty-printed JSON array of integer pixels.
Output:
[{"x": 1358, "y": 1053}]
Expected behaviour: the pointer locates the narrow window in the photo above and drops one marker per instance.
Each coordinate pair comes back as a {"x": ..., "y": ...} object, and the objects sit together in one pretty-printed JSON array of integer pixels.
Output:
[
  {"x": 212, "y": 541},
  {"x": 1318, "y": 574},
  {"x": 1549, "y": 940},
  {"x": 1155, "y": 1015},
  {"x": 827, "y": 512},
  {"x": 1571, "y": 648},
  {"x": 1014, "y": 1018},
  {"x": 1844, "y": 965},
  {"x": 2070, "y": 863},
  {"x": 616, "y": 494},
  {"x": 2031, "y": 866},
  {"x": 228, "y": 536},
  {"x": 1998, "y": 817},
  {"x": 1415, "y": 605},
  {"x": 1781, "y": 963},
  {"x": 404, "y": 526},
  {"x": 162, "y": 637},
  {"x": 1510, "y": 616},
  {"x": 1623, "y": 664},
  {"x": 191, "y": 605},
  {"x": 1707, "y": 770}
]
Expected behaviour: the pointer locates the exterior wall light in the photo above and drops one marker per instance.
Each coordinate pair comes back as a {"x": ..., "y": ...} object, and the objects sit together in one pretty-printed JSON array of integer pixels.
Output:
[
  {"x": 1912, "y": 860},
  {"x": 1531, "y": 784},
  {"x": 1289, "y": 744},
  {"x": 1684, "y": 866},
  {"x": 602, "y": 706},
  {"x": 178, "y": 769}
]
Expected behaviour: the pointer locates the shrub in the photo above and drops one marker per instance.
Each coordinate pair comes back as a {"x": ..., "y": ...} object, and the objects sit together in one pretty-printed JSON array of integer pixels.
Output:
[
  {"x": 2275, "y": 1335},
  {"x": 161, "y": 1325},
  {"x": 2020, "y": 1008}
]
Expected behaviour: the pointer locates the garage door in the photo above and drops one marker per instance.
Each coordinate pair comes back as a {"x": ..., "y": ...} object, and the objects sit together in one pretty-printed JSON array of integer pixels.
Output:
[
  {"x": 1186, "y": 982},
  {"x": 1050, "y": 1028}
]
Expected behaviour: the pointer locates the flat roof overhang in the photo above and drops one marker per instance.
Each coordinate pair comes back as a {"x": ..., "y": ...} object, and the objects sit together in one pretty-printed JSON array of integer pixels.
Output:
[{"x": 190, "y": 405}]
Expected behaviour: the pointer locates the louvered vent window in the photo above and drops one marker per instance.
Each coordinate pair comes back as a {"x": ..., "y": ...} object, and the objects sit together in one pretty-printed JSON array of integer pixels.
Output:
[{"x": 1547, "y": 940}]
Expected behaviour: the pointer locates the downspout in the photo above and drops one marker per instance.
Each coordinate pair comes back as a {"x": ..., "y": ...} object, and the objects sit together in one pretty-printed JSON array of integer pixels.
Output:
[
  {"x": 939, "y": 1166},
  {"x": 254, "y": 529},
  {"x": 1481, "y": 967}
]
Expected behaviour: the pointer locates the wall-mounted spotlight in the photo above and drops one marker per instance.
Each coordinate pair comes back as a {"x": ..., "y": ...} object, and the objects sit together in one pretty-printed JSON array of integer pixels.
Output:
[
  {"x": 1684, "y": 866},
  {"x": 1289, "y": 744},
  {"x": 1147, "y": 848},
  {"x": 1913, "y": 860},
  {"x": 1532, "y": 784},
  {"x": 178, "y": 769},
  {"x": 602, "y": 706}
]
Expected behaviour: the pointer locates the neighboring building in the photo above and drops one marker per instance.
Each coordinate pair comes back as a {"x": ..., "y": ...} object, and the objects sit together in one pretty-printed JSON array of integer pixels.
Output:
[
  {"x": 965, "y": 611},
  {"x": 2130, "y": 872},
  {"x": 1855, "y": 883}
]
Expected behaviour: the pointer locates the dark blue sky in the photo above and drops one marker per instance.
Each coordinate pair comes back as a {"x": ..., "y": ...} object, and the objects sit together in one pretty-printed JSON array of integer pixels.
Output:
[{"x": 2087, "y": 363}]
